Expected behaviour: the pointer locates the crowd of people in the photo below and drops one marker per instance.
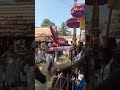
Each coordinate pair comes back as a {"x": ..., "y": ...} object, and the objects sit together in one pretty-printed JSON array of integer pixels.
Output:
[
  {"x": 107, "y": 76},
  {"x": 44, "y": 55},
  {"x": 17, "y": 66}
]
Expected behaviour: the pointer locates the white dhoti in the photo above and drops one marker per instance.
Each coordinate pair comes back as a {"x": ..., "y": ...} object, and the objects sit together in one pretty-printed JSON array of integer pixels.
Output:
[
  {"x": 36, "y": 57},
  {"x": 19, "y": 65},
  {"x": 40, "y": 55},
  {"x": 10, "y": 75},
  {"x": 49, "y": 59},
  {"x": 30, "y": 72}
]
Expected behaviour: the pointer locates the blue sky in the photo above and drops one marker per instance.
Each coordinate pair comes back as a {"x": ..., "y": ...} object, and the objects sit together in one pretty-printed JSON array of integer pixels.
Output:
[{"x": 57, "y": 11}]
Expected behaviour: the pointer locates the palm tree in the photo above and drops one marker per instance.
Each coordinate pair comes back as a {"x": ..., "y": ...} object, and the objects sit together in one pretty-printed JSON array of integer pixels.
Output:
[{"x": 63, "y": 30}]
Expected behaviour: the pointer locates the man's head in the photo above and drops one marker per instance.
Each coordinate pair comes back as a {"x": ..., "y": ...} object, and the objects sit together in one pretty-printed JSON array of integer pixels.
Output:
[
  {"x": 49, "y": 44},
  {"x": 104, "y": 54},
  {"x": 112, "y": 43},
  {"x": 109, "y": 42},
  {"x": 18, "y": 44}
]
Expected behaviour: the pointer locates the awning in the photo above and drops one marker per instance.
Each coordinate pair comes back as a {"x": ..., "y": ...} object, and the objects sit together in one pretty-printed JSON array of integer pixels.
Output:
[{"x": 62, "y": 48}]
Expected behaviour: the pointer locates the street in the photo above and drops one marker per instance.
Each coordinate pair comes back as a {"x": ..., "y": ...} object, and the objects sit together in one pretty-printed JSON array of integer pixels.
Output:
[{"x": 61, "y": 62}]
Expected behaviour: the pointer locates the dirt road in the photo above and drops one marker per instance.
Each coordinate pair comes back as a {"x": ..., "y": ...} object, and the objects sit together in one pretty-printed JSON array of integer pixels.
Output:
[{"x": 62, "y": 62}]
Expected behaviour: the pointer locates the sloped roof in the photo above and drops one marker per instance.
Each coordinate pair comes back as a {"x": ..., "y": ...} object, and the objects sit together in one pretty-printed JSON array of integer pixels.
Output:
[
  {"x": 42, "y": 30},
  {"x": 17, "y": 20},
  {"x": 43, "y": 38},
  {"x": 43, "y": 34}
]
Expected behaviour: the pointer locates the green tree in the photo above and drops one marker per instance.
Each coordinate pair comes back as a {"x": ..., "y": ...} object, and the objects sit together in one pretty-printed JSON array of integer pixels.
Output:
[
  {"x": 63, "y": 30},
  {"x": 47, "y": 23}
]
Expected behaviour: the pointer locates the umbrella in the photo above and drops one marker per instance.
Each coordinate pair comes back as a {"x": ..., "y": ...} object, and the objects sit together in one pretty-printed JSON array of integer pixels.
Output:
[
  {"x": 73, "y": 22},
  {"x": 78, "y": 10}
]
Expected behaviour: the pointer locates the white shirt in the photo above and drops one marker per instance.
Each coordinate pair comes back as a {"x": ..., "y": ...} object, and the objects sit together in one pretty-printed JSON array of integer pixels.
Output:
[
  {"x": 49, "y": 58},
  {"x": 79, "y": 56},
  {"x": 39, "y": 55},
  {"x": 49, "y": 44},
  {"x": 106, "y": 70}
]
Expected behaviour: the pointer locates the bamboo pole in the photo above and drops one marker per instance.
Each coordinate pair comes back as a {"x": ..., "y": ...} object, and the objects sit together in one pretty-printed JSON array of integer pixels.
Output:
[
  {"x": 74, "y": 34},
  {"x": 82, "y": 25}
]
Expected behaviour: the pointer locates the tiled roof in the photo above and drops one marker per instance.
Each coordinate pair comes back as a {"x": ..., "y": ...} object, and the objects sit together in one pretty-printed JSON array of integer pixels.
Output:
[
  {"x": 17, "y": 20},
  {"x": 40, "y": 30},
  {"x": 43, "y": 38},
  {"x": 44, "y": 34}
]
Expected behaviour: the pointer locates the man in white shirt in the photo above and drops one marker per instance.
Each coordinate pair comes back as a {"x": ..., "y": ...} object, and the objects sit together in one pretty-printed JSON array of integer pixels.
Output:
[
  {"x": 49, "y": 60},
  {"x": 82, "y": 53}
]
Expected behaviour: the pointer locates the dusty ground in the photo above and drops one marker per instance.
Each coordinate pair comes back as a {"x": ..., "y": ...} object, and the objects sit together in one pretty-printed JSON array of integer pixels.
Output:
[{"x": 62, "y": 62}]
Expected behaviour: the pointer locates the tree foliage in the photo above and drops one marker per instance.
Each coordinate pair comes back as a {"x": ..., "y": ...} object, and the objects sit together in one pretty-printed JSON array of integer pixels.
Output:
[
  {"x": 63, "y": 30},
  {"x": 47, "y": 23}
]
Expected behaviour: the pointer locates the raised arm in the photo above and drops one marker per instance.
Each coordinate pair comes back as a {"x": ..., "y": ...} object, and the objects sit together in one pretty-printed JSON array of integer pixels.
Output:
[{"x": 73, "y": 66}]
